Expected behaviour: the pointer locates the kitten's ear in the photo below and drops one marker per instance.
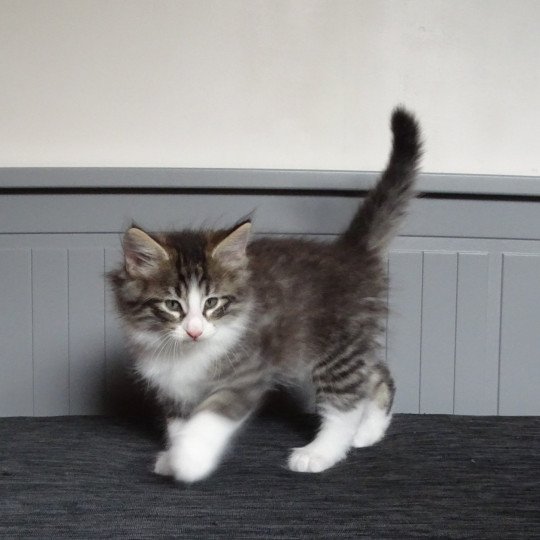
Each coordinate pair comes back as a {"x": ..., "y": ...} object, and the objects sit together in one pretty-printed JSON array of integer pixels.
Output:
[
  {"x": 231, "y": 250},
  {"x": 143, "y": 255}
]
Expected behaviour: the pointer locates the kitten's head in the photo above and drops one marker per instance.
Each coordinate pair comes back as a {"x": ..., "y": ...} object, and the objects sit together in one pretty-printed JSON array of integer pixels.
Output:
[{"x": 188, "y": 286}]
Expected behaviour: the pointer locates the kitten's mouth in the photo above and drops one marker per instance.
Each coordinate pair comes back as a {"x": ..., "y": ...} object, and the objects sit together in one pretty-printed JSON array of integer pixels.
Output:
[{"x": 194, "y": 340}]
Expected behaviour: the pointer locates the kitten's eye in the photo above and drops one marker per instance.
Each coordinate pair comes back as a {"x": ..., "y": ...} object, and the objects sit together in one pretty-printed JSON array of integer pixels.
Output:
[
  {"x": 173, "y": 305},
  {"x": 211, "y": 302}
]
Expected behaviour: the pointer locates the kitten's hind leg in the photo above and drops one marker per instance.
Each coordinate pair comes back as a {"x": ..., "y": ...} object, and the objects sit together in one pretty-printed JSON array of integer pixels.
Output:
[
  {"x": 334, "y": 439},
  {"x": 373, "y": 425},
  {"x": 377, "y": 413},
  {"x": 355, "y": 396}
]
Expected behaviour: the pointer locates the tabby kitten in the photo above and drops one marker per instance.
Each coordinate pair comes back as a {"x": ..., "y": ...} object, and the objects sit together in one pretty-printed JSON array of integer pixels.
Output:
[{"x": 214, "y": 322}]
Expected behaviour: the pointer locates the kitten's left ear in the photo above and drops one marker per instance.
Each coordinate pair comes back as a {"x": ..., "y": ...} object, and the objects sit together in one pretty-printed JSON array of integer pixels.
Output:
[{"x": 232, "y": 249}]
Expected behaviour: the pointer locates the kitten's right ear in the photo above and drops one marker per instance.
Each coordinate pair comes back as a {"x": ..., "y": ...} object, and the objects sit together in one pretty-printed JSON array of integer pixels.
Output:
[{"x": 143, "y": 255}]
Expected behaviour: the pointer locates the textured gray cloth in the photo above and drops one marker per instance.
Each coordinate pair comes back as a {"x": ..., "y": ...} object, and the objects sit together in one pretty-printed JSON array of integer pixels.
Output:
[{"x": 433, "y": 476}]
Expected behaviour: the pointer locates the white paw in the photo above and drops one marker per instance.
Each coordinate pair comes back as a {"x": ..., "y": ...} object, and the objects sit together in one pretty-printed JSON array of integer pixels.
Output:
[
  {"x": 193, "y": 459},
  {"x": 309, "y": 460},
  {"x": 163, "y": 464}
]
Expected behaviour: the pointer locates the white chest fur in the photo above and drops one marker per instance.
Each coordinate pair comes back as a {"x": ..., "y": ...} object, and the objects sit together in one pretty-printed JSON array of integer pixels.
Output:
[
  {"x": 185, "y": 376},
  {"x": 182, "y": 378}
]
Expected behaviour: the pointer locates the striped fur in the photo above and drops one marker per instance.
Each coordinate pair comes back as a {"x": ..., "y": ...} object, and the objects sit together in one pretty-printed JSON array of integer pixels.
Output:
[{"x": 215, "y": 322}]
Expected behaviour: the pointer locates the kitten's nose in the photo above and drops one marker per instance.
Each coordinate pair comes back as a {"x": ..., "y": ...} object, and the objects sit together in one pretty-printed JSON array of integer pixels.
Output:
[
  {"x": 194, "y": 326},
  {"x": 194, "y": 333}
]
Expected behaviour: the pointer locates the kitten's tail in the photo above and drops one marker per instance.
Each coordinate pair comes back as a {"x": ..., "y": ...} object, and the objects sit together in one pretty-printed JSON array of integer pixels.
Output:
[{"x": 383, "y": 209}]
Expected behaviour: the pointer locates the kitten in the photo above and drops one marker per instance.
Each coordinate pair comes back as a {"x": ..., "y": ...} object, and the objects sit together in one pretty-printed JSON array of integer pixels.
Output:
[{"x": 214, "y": 322}]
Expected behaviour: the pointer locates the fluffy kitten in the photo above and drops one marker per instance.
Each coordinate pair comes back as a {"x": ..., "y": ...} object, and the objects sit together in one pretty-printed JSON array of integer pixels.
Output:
[{"x": 214, "y": 322}]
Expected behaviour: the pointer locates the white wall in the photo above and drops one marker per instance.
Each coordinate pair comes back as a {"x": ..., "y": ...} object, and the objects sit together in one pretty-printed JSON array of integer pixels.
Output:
[{"x": 305, "y": 84}]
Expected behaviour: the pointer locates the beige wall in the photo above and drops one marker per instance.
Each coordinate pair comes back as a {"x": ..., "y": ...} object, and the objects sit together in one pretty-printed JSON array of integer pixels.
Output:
[{"x": 305, "y": 84}]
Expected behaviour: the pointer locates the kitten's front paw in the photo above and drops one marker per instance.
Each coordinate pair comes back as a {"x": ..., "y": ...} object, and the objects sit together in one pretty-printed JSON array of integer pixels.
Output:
[
  {"x": 163, "y": 464},
  {"x": 309, "y": 460},
  {"x": 192, "y": 460}
]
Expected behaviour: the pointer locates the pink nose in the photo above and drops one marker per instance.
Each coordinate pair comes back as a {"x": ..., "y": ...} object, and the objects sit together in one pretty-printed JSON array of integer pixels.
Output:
[{"x": 194, "y": 333}]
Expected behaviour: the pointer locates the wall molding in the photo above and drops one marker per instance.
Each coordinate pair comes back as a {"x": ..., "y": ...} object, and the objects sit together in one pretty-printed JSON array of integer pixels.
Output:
[{"x": 103, "y": 178}]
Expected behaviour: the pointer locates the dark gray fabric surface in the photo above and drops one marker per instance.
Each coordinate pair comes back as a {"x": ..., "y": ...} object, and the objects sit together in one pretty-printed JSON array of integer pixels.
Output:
[{"x": 433, "y": 476}]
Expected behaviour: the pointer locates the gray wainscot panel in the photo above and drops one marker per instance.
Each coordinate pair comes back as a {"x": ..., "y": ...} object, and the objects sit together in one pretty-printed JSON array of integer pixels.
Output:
[
  {"x": 404, "y": 329},
  {"x": 462, "y": 334},
  {"x": 438, "y": 332},
  {"x": 50, "y": 331},
  {"x": 86, "y": 331},
  {"x": 476, "y": 367},
  {"x": 16, "y": 361},
  {"x": 520, "y": 336}
]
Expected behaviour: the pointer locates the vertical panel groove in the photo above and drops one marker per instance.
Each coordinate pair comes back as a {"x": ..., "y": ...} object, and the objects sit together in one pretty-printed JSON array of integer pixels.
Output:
[
  {"x": 455, "y": 336},
  {"x": 32, "y": 331},
  {"x": 105, "y": 360},
  {"x": 421, "y": 336},
  {"x": 500, "y": 338},
  {"x": 69, "y": 328}
]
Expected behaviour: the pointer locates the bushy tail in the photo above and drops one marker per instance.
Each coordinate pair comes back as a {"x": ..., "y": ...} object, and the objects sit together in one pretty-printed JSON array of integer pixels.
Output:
[{"x": 377, "y": 219}]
